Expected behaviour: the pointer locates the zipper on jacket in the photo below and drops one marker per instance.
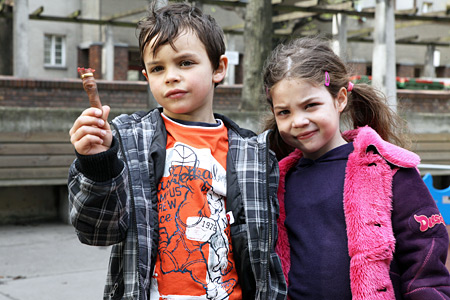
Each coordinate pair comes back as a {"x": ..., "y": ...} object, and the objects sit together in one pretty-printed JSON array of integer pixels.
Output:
[
  {"x": 133, "y": 215},
  {"x": 269, "y": 209},
  {"x": 113, "y": 291}
]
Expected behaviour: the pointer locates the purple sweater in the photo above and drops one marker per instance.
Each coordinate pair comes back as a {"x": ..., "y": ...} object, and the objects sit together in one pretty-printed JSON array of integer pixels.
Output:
[
  {"x": 398, "y": 256},
  {"x": 315, "y": 222}
]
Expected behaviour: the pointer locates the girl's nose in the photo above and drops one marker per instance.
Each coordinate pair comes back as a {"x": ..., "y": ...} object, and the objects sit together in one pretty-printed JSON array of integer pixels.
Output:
[{"x": 299, "y": 121}]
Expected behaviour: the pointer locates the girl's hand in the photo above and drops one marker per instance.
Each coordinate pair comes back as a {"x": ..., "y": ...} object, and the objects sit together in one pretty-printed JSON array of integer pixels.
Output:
[{"x": 91, "y": 132}]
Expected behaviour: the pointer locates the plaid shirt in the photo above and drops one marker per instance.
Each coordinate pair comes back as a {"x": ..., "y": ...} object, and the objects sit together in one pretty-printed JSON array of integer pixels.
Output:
[{"x": 119, "y": 207}]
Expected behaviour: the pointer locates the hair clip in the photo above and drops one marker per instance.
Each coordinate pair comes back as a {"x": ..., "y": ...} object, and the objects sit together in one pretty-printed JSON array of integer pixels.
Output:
[
  {"x": 267, "y": 93},
  {"x": 350, "y": 86},
  {"x": 327, "y": 78}
]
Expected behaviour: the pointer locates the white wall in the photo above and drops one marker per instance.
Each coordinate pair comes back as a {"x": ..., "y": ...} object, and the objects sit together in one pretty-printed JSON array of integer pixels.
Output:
[{"x": 37, "y": 30}]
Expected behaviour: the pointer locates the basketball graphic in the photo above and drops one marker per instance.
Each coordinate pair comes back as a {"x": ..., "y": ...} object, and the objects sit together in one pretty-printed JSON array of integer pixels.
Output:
[{"x": 184, "y": 156}]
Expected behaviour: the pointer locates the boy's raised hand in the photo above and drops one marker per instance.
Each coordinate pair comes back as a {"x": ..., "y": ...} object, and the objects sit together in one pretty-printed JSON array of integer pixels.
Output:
[{"x": 91, "y": 132}]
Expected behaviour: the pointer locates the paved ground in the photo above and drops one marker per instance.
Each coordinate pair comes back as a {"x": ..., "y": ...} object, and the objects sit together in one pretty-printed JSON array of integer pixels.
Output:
[{"x": 47, "y": 262}]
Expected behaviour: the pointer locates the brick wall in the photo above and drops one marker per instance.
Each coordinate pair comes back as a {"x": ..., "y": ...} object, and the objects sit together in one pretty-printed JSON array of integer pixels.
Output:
[
  {"x": 227, "y": 97},
  {"x": 120, "y": 62},
  {"x": 95, "y": 59},
  {"x": 423, "y": 101},
  {"x": 402, "y": 70},
  {"x": 358, "y": 68},
  {"x": 405, "y": 71},
  {"x": 69, "y": 93}
]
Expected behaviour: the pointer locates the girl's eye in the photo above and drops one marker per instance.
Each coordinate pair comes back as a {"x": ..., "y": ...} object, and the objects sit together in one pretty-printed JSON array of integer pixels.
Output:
[
  {"x": 283, "y": 112},
  {"x": 186, "y": 63},
  {"x": 310, "y": 105}
]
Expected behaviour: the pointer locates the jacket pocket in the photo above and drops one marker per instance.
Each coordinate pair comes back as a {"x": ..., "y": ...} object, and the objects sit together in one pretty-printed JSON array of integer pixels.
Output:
[{"x": 242, "y": 261}]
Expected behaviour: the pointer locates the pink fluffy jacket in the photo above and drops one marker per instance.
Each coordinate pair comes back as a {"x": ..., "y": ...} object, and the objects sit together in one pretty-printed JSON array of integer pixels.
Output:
[{"x": 367, "y": 208}]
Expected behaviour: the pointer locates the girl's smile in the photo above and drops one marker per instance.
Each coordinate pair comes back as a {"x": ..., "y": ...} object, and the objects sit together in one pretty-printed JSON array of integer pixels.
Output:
[{"x": 306, "y": 135}]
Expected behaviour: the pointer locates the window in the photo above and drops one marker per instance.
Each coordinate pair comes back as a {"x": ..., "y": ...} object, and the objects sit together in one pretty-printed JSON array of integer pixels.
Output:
[
  {"x": 54, "y": 50},
  {"x": 427, "y": 7}
]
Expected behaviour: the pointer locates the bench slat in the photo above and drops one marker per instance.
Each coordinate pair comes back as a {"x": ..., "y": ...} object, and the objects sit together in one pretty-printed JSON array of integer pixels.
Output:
[
  {"x": 434, "y": 156},
  {"x": 12, "y": 161},
  {"x": 33, "y": 182},
  {"x": 36, "y": 149},
  {"x": 34, "y": 137},
  {"x": 427, "y": 137},
  {"x": 431, "y": 147},
  {"x": 34, "y": 173}
]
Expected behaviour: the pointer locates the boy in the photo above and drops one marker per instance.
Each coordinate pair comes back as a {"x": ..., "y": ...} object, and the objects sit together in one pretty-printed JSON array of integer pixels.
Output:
[{"x": 186, "y": 197}]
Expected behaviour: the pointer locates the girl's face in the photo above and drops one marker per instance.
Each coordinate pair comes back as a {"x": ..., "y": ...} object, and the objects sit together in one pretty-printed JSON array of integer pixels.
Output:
[{"x": 307, "y": 116}]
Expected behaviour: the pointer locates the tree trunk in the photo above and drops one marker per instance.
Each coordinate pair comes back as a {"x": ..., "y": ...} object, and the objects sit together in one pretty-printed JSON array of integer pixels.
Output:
[
  {"x": 6, "y": 46},
  {"x": 258, "y": 44},
  {"x": 383, "y": 58}
]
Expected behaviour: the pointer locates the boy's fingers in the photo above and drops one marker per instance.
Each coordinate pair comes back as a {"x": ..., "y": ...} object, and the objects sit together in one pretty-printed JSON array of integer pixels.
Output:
[
  {"x": 83, "y": 131},
  {"x": 91, "y": 131},
  {"x": 105, "y": 114},
  {"x": 92, "y": 111},
  {"x": 105, "y": 111},
  {"x": 88, "y": 144},
  {"x": 87, "y": 141},
  {"x": 87, "y": 121}
]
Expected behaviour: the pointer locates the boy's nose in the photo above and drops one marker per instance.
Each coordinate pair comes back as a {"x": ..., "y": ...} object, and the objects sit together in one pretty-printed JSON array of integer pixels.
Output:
[{"x": 172, "y": 75}]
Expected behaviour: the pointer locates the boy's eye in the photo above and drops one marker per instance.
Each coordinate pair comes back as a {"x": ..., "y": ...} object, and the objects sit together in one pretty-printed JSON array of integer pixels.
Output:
[{"x": 156, "y": 69}]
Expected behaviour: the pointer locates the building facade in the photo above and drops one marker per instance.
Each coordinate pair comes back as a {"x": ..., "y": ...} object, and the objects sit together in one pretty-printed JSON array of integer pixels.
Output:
[{"x": 48, "y": 39}]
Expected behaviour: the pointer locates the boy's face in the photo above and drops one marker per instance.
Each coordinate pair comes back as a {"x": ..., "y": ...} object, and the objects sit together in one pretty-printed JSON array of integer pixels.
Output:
[{"x": 182, "y": 81}]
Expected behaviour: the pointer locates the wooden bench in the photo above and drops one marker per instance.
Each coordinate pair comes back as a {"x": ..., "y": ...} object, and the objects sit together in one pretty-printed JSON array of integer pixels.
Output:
[
  {"x": 43, "y": 158},
  {"x": 433, "y": 149},
  {"x": 30, "y": 159}
]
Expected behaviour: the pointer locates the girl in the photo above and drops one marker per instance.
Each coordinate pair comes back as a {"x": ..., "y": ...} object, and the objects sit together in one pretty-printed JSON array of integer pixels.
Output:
[{"x": 356, "y": 220}]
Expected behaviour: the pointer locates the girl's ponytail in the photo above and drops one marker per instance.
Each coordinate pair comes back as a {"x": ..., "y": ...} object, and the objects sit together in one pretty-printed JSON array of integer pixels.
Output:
[{"x": 368, "y": 106}]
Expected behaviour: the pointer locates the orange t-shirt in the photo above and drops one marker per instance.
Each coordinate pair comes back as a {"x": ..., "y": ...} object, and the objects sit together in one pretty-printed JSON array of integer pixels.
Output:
[{"x": 195, "y": 258}]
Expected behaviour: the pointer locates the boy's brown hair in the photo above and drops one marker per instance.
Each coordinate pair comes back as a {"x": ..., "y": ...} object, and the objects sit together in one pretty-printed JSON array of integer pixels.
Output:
[{"x": 168, "y": 22}]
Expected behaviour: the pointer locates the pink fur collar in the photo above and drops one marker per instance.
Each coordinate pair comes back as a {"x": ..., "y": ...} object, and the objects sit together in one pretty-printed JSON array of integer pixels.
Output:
[{"x": 365, "y": 137}]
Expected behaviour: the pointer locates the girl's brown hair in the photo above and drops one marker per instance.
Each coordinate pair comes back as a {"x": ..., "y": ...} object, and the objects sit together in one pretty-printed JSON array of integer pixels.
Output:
[{"x": 308, "y": 59}]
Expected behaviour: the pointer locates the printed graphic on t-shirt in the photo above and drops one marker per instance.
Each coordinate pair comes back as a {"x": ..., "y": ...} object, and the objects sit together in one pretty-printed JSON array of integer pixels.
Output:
[{"x": 194, "y": 255}]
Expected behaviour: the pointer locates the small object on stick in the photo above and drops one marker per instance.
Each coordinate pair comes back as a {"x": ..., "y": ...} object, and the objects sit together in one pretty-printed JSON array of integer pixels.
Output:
[{"x": 90, "y": 86}]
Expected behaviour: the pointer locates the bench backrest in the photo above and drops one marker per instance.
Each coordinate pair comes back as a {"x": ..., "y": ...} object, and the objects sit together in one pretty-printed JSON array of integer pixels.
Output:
[{"x": 41, "y": 158}]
